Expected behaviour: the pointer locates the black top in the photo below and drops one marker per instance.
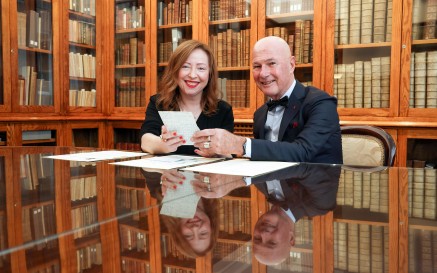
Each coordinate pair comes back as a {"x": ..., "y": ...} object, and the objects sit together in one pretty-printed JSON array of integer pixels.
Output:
[{"x": 223, "y": 118}]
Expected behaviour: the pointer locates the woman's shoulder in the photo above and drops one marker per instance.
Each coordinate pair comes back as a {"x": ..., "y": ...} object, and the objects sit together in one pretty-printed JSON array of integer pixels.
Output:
[{"x": 224, "y": 105}]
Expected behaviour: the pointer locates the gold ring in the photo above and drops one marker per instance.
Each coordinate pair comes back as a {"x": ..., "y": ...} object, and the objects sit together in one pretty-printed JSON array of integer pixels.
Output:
[
  {"x": 206, "y": 145},
  {"x": 162, "y": 138},
  {"x": 209, "y": 138}
]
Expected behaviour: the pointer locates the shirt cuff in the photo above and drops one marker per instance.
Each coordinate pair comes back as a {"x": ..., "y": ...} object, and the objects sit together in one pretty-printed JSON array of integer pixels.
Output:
[{"x": 248, "y": 148}]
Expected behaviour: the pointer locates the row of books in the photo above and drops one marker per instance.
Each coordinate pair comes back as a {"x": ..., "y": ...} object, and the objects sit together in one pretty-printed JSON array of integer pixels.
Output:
[
  {"x": 300, "y": 39},
  {"x": 33, "y": 169},
  {"x": 38, "y": 224},
  {"x": 174, "y": 12},
  {"x": 33, "y": 88},
  {"x": 83, "y": 6},
  {"x": 127, "y": 17},
  {"x": 83, "y": 188},
  {"x": 35, "y": 29},
  {"x": 229, "y": 252},
  {"x": 131, "y": 200},
  {"x": 235, "y": 92},
  {"x": 235, "y": 216},
  {"x": 124, "y": 172},
  {"x": 166, "y": 49},
  {"x": 130, "y": 92},
  {"x": 360, "y": 247},
  {"x": 82, "y": 65},
  {"x": 363, "y": 21},
  {"x": 231, "y": 47},
  {"x": 134, "y": 266},
  {"x": 133, "y": 240},
  {"x": 288, "y": 6},
  {"x": 363, "y": 190},
  {"x": 170, "y": 251},
  {"x": 228, "y": 9},
  {"x": 130, "y": 51},
  {"x": 168, "y": 269},
  {"x": 423, "y": 79},
  {"x": 88, "y": 257},
  {"x": 363, "y": 84},
  {"x": 81, "y": 32},
  {"x": 84, "y": 219},
  {"x": 424, "y": 20},
  {"x": 82, "y": 98},
  {"x": 422, "y": 250},
  {"x": 422, "y": 193}
]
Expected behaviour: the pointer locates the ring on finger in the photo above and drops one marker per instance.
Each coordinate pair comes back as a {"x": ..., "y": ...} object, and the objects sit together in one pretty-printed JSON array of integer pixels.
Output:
[
  {"x": 162, "y": 138},
  {"x": 209, "y": 138},
  {"x": 206, "y": 145},
  {"x": 206, "y": 179},
  {"x": 208, "y": 187}
]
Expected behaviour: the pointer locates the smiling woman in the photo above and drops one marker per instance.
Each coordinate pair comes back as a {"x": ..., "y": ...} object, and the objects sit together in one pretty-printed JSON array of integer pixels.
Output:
[
  {"x": 189, "y": 84},
  {"x": 195, "y": 237}
]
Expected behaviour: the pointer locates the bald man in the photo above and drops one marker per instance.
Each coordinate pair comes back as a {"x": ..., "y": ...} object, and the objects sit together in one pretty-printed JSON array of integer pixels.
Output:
[{"x": 297, "y": 124}]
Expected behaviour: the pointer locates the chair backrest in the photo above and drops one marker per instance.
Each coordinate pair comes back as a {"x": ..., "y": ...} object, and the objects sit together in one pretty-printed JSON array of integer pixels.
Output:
[{"x": 365, "y": 145}]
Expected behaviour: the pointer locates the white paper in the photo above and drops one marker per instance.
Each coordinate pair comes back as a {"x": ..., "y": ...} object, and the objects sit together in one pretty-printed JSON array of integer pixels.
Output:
[
  {"x": 97, "y": 156},
  {"x": 181, "y": 122},
  {"x": 181, "y": 202},
  {"x": 167, "y": 162},
  {"x": 242, "y": 167}
]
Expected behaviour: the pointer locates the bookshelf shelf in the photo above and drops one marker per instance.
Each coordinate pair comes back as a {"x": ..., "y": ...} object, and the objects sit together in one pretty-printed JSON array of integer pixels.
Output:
[
  {"x": 359, "y": 46},
  {"x": 133, "y": 255},
  {"x": 425, "y": 42},
  {"x": 39, "y": 141},
  {"x": 82, "y": 79},
  {"x": 84, "y": 46},
  {"x": 130, "y": 30},
  {"x": 230, "y": 21},
  {"x": 179, "y": 25},
  {"x": 291, "y": 17},
  {"x": 128, "y": 66},
  {"x": 240, "y": 68},
  {"x": 87, "y": 240},
  {"x": 36, "y": 50},
  {"x": 362, "y": 222},
  {"x": 81, "y": 15}
]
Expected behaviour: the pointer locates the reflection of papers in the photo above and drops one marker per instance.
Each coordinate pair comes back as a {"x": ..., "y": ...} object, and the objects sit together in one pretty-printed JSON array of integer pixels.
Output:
[
  {"x": 181, "y": 122},
  {"x": 181, "y": 202},
  {"x": 96, "y": 156},
  {"x": 242, "y": 167},
  {"x": 168, "y": 162}
]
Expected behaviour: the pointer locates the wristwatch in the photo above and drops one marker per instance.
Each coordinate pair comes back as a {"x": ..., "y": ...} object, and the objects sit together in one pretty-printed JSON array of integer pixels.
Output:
[{"x": 244, "y": 147}]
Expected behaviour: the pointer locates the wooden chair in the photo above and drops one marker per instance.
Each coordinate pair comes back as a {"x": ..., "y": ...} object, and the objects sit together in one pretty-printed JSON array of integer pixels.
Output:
[{"x": 365, "y": 145}]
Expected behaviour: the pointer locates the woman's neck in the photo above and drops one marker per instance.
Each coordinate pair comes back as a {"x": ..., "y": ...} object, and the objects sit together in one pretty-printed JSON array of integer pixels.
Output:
[{"x": 190, "y": 105}]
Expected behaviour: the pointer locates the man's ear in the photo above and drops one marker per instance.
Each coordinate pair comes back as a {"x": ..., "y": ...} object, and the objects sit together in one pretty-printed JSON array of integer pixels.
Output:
[{"x": 292, "y": 240}]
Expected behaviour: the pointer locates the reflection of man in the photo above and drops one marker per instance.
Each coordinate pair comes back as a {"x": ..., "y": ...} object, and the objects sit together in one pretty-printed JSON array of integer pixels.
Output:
[{"x": 295, "y": 192}]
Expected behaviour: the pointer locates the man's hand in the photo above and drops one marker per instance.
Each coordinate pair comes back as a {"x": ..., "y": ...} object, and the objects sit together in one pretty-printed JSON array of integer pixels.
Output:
[{"x": 217, "y": 142}]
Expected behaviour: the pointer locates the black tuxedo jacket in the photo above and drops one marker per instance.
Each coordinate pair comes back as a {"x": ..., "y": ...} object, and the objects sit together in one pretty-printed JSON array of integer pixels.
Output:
[
  {"x": 309, "y": 130},
  {"x": 309, "y": 189}
]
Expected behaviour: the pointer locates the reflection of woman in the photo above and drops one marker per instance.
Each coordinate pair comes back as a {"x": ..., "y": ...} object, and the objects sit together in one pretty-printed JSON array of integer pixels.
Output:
[
  {"x": 189, "y": 84},
  {"x": 194, "y": 236}
]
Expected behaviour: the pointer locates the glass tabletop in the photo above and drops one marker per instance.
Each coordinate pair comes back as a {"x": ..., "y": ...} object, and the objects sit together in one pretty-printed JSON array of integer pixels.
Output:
[{"x": 76, "y": 216}]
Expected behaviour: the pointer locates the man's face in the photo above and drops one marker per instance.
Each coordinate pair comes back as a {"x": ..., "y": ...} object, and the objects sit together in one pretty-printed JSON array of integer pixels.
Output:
[
  {"x": 273, "y": 69},
  {"x": 273, "y": 236}
]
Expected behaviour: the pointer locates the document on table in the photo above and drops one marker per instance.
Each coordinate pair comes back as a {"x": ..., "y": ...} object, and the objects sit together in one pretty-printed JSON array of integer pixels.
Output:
[
  {"x": 168, "y": 162},
  {"x": 181, "y": 122},
  {"x": 242, "y": 167},
  {"x": 181, "y": 202},
  {"x": 97, "y": 156}
]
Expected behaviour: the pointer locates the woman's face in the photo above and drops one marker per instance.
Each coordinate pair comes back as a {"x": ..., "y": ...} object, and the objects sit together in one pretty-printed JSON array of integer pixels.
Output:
[
  {"x": 194, "y": 74},
  {"x": 197, "y": 230}
]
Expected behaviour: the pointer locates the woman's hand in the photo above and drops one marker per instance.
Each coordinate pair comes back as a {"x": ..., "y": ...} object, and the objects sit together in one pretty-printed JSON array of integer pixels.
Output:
[
  {"x": 170, "y": 140},
  {"x": 170, "y": 180}
]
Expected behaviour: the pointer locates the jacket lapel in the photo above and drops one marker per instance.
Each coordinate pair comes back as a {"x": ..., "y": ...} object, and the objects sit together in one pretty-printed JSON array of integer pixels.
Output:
[{"x": 294, "y": 105}]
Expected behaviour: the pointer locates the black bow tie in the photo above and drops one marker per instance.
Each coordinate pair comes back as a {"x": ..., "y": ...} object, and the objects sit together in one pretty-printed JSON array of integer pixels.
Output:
[{"x": 273, "y": 103}]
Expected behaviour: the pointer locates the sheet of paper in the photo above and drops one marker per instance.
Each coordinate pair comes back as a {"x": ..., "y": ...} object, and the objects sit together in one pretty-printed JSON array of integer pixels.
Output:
[
  {"x": 97, "y": 156},
  {"x": 167, "y": 162},
  {"x": 181, "y": 202},
  {"x": 242, "y": 167},
  {"x": 181, "y": 122}
]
